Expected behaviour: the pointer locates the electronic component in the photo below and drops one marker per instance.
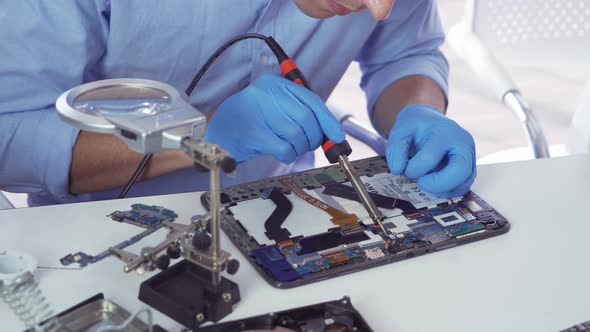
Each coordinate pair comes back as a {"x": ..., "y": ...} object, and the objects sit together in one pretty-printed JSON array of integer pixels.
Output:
[
  {"x": 374, "y": 253},
  {"x": 334, "y": 316},
  {"x": 274, "y": 231},
  {"x": 251, "y": 216},
  {"x": 303, "y": 241},
  {"x": 150, "y": 217},
  {"x": 466, "y": 228},
  {"x": 401, "y": 224},
  {"x": 472, "y": 205},
  {"x": 338, "y": 217},
  {"x": 400, "y": 187},
  {"x": 449, "y": 219},
  {"x": 145, "y": 216},
  {"x": 345, "y": 191}
]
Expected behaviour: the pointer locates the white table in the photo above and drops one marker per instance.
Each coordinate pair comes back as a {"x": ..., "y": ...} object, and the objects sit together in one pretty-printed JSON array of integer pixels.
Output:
[{"x": 535, "y": 278}]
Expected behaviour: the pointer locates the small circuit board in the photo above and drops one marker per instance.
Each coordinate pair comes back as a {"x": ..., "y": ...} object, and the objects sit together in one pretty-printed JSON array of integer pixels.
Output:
[
  {"x": 308, "y": 226},
  {"x": 149, "y": 217},
  {"x": 145, "y": 216}
]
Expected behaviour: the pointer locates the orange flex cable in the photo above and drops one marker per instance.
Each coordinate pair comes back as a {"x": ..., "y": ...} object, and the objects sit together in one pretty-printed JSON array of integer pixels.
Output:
[{"x": 338, "y": 217}]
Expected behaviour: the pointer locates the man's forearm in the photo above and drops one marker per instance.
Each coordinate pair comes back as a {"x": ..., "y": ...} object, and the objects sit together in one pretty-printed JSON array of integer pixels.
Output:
[
  {"x": 102, "y": 162},
  {"x": 403, "y": 92}
]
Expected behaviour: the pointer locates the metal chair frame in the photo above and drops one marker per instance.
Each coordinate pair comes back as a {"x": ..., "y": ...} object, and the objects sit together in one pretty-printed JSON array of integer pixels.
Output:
[{"x": 526, "y": 32}]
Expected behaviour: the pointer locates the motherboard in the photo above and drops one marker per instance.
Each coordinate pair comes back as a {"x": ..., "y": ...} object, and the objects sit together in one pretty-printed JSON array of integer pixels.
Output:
[
  {"x": 149, "y": 217},
  {"x": 307, "y": 226}
]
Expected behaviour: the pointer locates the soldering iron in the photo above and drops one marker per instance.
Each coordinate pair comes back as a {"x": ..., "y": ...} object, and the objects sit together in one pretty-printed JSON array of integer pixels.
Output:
[{"x": 334, "y": 152}]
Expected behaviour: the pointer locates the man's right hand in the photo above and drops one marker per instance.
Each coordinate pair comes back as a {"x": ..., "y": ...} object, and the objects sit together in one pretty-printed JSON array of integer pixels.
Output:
[{"x": 272, "y": 116}]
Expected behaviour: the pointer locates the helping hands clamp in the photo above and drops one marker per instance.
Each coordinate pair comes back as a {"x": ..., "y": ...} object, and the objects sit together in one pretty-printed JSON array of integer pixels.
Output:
[
  {"x": 192, "y": 291},
  {"x": 191, "y": 239}
]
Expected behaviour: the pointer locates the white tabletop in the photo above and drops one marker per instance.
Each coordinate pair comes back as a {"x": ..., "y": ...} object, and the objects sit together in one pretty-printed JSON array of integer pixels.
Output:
[{"x": 535, "y": 278}]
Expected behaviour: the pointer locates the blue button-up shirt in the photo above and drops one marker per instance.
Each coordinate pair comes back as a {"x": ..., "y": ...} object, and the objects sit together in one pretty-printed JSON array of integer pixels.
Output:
[{"x": 48, "y": 47}]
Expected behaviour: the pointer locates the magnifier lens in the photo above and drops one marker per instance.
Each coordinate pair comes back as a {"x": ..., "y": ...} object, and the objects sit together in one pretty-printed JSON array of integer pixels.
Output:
[{"x": 123, "y": 101}]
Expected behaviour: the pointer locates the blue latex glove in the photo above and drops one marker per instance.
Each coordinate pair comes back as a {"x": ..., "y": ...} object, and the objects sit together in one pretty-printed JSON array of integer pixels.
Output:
[
  {"x": 444, "y": 159},
  {"x": 272, "y": 116}
]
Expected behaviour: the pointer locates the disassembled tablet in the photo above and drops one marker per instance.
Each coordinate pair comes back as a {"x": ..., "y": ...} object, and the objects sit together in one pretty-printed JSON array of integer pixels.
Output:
[{"x": 309, "y": 226}]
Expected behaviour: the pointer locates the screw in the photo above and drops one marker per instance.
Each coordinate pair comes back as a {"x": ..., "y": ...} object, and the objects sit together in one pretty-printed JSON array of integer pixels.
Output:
[
  {"x": 226, "y": 297},
  {"x": 200, "y": 317}
]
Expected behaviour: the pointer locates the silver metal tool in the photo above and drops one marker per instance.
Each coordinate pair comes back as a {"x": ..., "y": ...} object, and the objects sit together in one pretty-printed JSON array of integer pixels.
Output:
[
  {"x": 19, "y": 289},
  {"x": 216, "y": 160},
  {"x": 212, "y": 258},
  {"x": 333, "y": 151},
  {"x": 362, "y": 192}
]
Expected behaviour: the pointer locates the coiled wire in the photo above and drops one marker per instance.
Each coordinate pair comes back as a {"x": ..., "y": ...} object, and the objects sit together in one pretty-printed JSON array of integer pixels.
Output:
[{"x": 28, "y": 303}]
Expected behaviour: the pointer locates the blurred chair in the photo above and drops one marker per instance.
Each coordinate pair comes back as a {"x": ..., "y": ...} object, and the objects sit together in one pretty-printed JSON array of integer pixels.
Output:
[
  {"x": 521, "y": 32},
  {"x": 579, "y": 133}
]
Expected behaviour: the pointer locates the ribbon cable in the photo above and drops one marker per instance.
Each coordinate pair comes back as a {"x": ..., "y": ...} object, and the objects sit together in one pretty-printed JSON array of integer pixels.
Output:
[{"x": 338, "y": 217}]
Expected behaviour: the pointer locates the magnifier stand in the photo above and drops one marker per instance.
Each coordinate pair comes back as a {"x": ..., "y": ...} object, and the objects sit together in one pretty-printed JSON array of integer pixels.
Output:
[
  {"x": 193, "y": 291},
  {"x": 152, "y": 116}
]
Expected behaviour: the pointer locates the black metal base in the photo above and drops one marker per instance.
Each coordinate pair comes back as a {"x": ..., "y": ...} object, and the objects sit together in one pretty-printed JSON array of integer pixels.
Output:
[{"x": 184, "y": 292}]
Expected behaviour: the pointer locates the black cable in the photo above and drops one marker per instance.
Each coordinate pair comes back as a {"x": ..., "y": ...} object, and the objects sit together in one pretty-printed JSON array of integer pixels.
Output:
[
  {"x": 189, "y": 90},
  {"x": 220, "y": 50},
  {"x": 144, "y": 162}
]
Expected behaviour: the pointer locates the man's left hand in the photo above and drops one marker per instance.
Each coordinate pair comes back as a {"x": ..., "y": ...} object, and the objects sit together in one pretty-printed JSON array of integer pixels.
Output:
[{"x": 444, "y": 159}]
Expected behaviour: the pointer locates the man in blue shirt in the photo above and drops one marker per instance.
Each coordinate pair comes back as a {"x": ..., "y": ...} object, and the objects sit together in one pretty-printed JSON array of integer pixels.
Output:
[{"x": 267, "y": 123}]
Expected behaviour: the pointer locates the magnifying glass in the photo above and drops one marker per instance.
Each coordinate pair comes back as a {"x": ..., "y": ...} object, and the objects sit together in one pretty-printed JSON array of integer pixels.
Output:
[{"x": 147, "y": 115}]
